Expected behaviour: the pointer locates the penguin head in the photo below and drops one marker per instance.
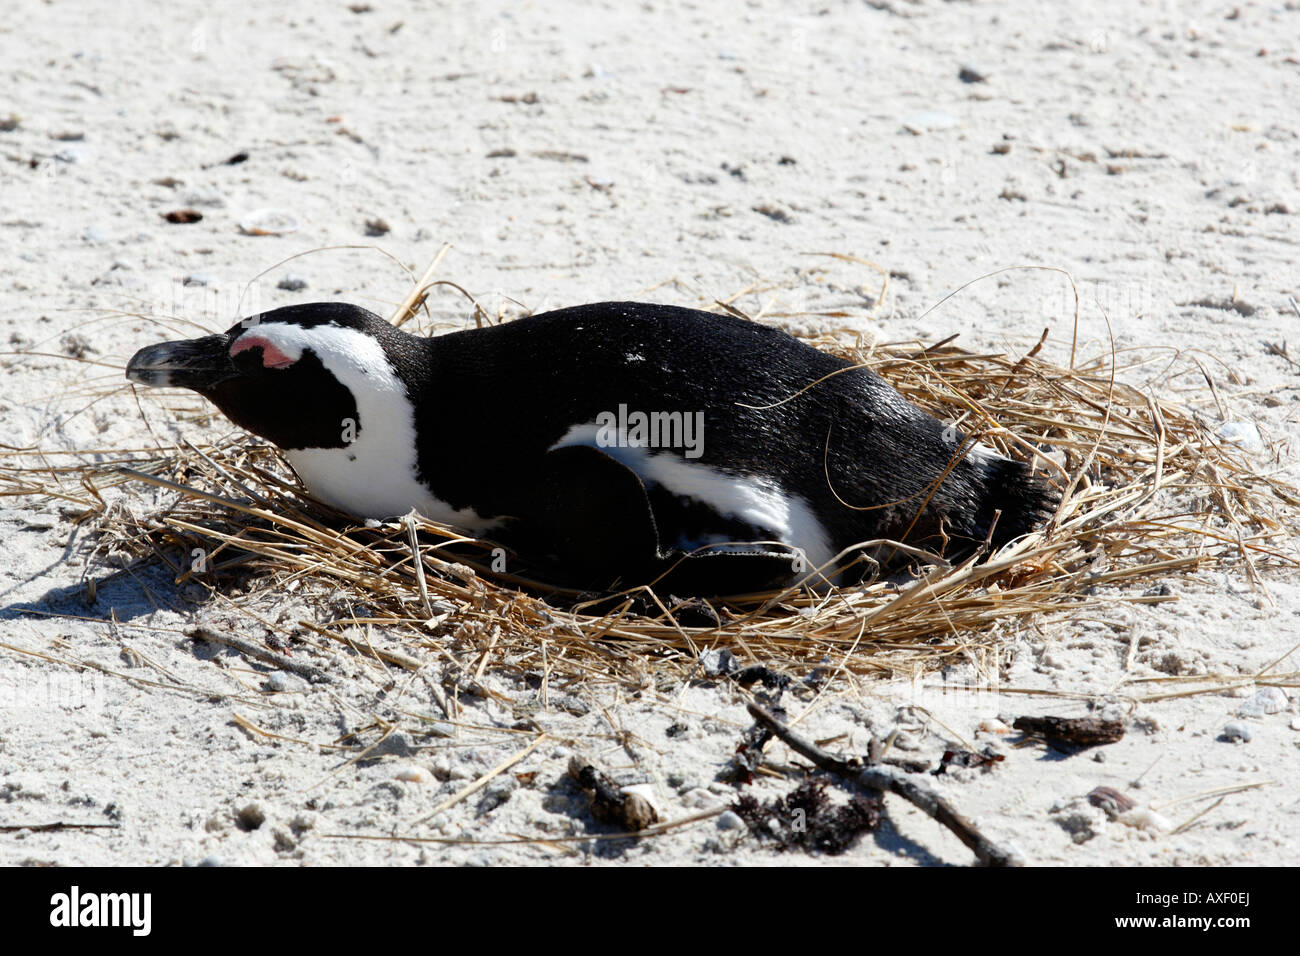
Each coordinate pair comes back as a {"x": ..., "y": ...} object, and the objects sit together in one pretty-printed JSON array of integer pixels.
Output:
[{"x": 299, "y": 377}]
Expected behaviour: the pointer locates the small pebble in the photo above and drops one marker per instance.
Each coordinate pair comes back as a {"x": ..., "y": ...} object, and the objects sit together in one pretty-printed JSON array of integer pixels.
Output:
[
  {"x": 1144, "y": 818},
  {"x": 197, "y": 278},
  {"x": 730, "y": 820},
  {"x": 1236, "y": 730},
  {"x": 398, "y": 745},
  {"x": 377, "y": 227},
  {"x": 718, "y": 662},
  {"x": 412, "y": 774},
  {"x": 1242, "y": 434},
  {"x": 970, "y": 73},
  {"x": 268, "y": 222},
  {"x": 646, "y": 792},
  {"x": 1082, "y": 825},
  {"x": 95, "y": 234},
  {"x": 929, "y": 121},
  {"x": 292, "y": 283},
  {"x": 774, "y": 212},
  {"x": 1269, "y": 700},
  {"x": 276, "y": 681},
  {"x": 1112, "y": 801},
  {"x": 496, "y": 794}
]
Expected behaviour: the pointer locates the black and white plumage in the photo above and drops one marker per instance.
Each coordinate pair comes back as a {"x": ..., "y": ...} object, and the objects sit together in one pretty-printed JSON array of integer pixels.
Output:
[{"x": 529, "y": 433}]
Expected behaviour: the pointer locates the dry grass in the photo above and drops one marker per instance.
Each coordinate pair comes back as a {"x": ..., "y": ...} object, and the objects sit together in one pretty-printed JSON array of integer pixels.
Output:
[{"x": 1149, "y": 493}]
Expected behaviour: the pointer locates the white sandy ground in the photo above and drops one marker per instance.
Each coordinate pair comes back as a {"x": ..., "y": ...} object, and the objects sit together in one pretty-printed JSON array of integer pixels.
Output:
[{"x": 1153, "y": 153}]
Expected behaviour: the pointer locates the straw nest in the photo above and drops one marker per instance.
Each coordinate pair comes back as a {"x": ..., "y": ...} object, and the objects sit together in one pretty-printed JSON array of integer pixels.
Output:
[{"x": 1148, "y": 492}]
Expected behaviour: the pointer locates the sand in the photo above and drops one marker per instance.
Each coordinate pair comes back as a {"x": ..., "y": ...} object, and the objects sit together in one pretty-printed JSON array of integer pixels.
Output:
[{"x": 665, "y": 151}]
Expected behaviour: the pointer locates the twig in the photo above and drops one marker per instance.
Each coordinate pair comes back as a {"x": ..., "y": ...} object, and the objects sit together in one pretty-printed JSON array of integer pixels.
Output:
[
  {"x": 384, "y": 655},
  {"x": 1179, "y": 829},
  {"x": 52, "y": 827},
  {"x": 1076, "y": 731},
  {"x": 418, "y": 563},
  {"x": 252, "y": 728},
  {"x": 887, "y": 779},
  {"x": 201, "y": 632},
  {"x": 1220, "y": 791},
  {"x": 415, "y": 298},
  {"x": 482, "y": 781}
]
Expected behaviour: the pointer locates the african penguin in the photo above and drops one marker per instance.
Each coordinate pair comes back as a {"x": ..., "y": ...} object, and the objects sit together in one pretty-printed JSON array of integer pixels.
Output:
[{"x": 609, "y": 445}]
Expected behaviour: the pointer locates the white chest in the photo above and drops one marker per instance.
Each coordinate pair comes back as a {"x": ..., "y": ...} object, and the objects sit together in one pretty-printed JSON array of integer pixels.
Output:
[
  {"x": 373, "y": 475},
  {"x": 370, "y": 486}
]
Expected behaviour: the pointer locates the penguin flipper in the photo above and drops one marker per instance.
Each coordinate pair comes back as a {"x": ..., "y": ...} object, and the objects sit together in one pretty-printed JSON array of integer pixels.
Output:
[
  {"x": 591, "y": 522},
  {"x": 592, "y": 527}
]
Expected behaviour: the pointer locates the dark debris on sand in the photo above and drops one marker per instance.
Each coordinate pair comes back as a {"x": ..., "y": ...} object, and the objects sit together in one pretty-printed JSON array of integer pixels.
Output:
[{"x": 806, "y": 818}]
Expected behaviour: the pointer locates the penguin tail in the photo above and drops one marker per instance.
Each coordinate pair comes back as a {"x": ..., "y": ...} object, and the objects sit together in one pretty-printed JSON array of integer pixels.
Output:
[{"x": 1025, "y": 500}]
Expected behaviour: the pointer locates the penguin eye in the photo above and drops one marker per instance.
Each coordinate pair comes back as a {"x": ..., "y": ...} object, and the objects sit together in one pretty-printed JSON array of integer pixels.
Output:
[{"x": 272, "y": 357}]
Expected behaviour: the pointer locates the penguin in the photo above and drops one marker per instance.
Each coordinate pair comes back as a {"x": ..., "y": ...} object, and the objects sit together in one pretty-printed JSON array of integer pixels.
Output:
[{"x": 612, "y": 445}]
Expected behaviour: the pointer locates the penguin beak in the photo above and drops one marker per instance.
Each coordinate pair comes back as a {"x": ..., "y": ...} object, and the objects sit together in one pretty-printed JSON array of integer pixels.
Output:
[{"x": 197, "y": 364}]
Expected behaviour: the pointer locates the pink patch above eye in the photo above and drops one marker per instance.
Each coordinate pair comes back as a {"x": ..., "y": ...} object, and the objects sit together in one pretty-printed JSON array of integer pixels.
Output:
[{"x": 272, "y": 357}]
